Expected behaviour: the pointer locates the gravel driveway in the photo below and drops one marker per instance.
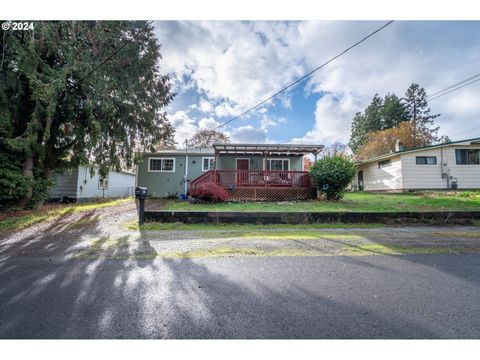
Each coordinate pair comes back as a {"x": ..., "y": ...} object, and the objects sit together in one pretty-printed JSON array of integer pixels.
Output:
[{"x": 107, "y": 232}]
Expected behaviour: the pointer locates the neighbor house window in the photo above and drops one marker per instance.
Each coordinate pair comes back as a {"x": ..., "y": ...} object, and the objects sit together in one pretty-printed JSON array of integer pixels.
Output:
[
  {"x": 208, "y": 163},
  {"x": 384, "y": 163},
  {"x": 426, "y": 160},
  {"x": 467, "y": 156},
  {"x": 103, "y": 182},
  {"x": 279, "y": 164},
  {"x": 161, "y": 165}
]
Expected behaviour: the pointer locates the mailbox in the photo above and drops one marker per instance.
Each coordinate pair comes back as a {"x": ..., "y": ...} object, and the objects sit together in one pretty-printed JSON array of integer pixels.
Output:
[{"x": 141, "y": 192}]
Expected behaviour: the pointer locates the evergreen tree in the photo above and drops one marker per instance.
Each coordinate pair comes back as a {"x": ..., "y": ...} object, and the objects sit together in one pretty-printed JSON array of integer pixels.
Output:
[
  {"x": 364, "y": 123},
  {"x": 63, "y": 104},
  {"x": 359, "y": 133},
  {"x": 419, "y": 113},
  {"x": 393, "y": 111}
]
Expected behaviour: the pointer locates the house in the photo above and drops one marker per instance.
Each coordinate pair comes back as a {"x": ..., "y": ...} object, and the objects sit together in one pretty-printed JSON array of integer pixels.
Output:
[
  {"x": 246, "y": 171},
  {"x": 78, "y": 185},
  {"x": 444, "y": 166}
]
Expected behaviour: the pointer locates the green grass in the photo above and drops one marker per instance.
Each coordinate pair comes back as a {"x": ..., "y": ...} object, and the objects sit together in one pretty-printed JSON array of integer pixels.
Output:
[
  {"x": 133, "y": 225},
  {"x": 352, "y": 202},
  {"x": 300, "y": 234},
  {"x": 383, "y": 249},
  {"x": 360, "y": 250},
  {"x": 51, "y": 212}
]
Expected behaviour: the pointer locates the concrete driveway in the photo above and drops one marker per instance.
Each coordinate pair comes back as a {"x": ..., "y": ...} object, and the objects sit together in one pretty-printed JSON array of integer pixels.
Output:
[{"x": 98, "y": 279}]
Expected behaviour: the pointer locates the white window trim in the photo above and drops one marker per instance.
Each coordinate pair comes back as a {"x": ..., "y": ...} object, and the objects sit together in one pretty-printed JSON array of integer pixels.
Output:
[
  {"x": 283, "y": 159},
  {"x": 160, "y": 158},
  {"x": 236, "y": 167},
  {"x": 203, "y": 160}
]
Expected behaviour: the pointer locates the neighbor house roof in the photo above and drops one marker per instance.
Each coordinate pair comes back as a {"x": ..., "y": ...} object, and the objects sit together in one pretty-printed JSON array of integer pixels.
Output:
[
  {"x": 268, "y": 149},
  {"x": 472, "y": 141}
]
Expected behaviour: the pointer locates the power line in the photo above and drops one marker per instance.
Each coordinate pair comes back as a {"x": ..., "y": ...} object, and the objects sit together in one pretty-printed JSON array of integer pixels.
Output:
[
  {"x": 455, "y": 89},
  {"x": 462, "y": 132},
  {"x": 128, "y": 41},
  {"x": 305, "y": 76},
  {"x": 452, "y": 86}
]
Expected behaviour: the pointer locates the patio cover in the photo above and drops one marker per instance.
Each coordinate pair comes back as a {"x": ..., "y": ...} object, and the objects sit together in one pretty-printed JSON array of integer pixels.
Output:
[{"x": 267, "y": 149}]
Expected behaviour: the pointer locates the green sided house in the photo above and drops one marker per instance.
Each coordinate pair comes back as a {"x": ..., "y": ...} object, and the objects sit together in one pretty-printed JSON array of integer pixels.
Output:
[{"x": 246, "y": 171}]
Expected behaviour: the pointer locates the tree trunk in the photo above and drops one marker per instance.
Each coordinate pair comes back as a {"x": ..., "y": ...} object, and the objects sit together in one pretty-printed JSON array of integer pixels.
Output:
[
  {"x": 414, "y": 124},
  {"x": 28, "y": 173}
]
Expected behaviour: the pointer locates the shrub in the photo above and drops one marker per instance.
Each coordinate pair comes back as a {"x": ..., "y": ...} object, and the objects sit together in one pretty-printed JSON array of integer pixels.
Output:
[
  {"x": 210, "y": 192},
  {"x": 332, "y": 175}
]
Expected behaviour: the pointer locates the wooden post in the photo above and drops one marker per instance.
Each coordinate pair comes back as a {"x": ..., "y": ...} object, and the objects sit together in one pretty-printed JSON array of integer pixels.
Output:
[{"x": 215, "y": 167}]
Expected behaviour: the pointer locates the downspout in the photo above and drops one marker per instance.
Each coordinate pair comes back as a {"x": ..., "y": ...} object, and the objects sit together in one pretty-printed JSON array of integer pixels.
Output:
[
  {"x": 185, "y": 177},
  {"x": 443, "y": 169}
]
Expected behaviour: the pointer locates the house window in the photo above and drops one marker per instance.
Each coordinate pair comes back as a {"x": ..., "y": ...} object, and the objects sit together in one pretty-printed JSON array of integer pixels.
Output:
[
  {"x": 279, "y": 164},
  {"x": 426, "y": 160},
  {"x": 384, "y": 163},
  {"x": 208, "y": 163},
  {"x": 467, "y": 156},
  {"x": 103, "y": 182},
  {"x": 161, "y": 165}
]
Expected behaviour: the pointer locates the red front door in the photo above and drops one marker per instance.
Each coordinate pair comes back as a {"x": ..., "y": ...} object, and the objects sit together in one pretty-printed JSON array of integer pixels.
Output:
[{"x": 243, "y": 166}]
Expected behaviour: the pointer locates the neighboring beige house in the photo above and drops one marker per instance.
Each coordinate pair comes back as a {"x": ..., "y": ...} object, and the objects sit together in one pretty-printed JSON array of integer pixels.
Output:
[{"x": 444, "y": 166}]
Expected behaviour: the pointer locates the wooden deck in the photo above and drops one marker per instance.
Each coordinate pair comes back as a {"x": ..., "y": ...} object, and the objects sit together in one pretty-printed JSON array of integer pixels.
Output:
[{"x": 260, "y": 185}]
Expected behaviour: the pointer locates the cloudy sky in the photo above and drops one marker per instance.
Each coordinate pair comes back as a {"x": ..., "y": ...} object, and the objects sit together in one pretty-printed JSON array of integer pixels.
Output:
[{"x": 222, "y": 68}]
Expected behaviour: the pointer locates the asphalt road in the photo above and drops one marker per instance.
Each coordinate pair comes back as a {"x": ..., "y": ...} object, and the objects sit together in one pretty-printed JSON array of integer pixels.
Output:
[{"x": 408, "y": 296}]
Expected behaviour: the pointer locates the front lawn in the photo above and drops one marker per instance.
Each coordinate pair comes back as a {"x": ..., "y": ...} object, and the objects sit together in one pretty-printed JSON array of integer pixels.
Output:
[{"x": 352, "y": 202}]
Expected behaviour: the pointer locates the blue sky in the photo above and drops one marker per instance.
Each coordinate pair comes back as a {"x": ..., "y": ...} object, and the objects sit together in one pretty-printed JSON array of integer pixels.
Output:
[{"x": 221, "y": 68}]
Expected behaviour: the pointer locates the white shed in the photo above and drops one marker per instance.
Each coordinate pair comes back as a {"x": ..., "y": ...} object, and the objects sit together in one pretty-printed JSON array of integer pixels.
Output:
[
  {"x": 77, "y": 184},
  {"x": 443, "y": 166}
]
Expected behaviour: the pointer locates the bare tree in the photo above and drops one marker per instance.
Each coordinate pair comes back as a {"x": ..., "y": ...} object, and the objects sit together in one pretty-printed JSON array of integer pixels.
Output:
[{"x": 205, "y": 138}]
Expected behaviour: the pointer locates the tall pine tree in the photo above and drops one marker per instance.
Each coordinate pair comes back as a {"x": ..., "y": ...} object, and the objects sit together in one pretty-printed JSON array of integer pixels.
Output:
[{"x": 419, "y": 113}]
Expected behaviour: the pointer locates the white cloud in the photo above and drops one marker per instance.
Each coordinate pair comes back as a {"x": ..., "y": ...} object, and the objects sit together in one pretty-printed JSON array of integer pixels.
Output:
[
  {"x": 332, "y": 116},
  {"x": 248, "y": 134},
  {"x": 268, "y": 121},
  {"x": 238, "y": 63},
  {"x": 184, "y": 126},
  {"x": 226, "y": 109},
  {"x": 207, "y": 123},
  {"x": 205, "y": 106}
]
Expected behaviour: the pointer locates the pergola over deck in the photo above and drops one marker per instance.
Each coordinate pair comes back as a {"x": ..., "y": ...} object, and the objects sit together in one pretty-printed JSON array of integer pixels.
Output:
[
  {"x": 261, "y": 184},
  {"x": 267, "y": 149}
]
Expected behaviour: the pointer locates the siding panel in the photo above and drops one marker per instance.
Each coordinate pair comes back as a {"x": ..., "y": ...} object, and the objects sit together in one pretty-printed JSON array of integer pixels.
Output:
[
  {"x": 65, "y": 185},
  {"x": 384, "y": 179},
  {"x": 423, "y": 176}
]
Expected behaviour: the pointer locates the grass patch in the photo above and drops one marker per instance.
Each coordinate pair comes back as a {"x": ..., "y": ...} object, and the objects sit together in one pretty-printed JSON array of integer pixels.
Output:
[
  {"x": 133, "y": 225},
  {"x": 281, "y": 235},
  {"x": 383, "y": 249},
  {"x": 352, "y": 202},
  {"x": 22, "y": 219}
]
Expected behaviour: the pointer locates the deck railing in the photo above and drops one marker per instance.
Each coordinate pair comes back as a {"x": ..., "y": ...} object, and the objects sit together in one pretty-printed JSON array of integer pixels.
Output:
[{"x": 257, "y": 178}]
